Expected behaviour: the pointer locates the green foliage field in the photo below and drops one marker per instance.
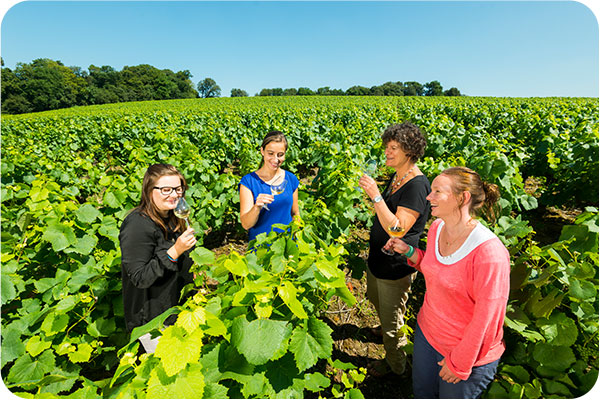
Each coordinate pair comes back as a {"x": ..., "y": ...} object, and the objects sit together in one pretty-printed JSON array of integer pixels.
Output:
[{"x": 69, "y": 177}]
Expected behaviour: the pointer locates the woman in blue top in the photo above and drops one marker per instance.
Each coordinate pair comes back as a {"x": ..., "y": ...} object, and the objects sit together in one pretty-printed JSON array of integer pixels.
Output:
[{"x": 255, "y": 190}]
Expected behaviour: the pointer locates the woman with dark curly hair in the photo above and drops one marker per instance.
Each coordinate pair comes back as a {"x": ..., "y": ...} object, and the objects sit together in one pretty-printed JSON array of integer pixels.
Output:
[{"x": 403, "y": 204}]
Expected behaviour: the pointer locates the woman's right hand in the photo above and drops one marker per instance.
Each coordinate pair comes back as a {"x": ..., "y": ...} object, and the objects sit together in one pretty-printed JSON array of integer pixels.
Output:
[
  {"x": 185, "y": 241},
  {"x": 397, "y": 245},
  {"x": 263, "y": 199}
]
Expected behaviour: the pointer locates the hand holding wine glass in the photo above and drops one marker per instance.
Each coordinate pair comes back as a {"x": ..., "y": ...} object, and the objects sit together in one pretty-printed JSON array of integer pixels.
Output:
[
  {"x": 395, "y": 230},
  {"x": 277, "y": 187},
  {"x": 187, "y": 239}
]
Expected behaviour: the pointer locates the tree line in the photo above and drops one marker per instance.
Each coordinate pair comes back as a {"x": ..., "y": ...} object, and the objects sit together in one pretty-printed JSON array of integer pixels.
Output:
[
  {"x": 433, "y": 88},
  {"x": 46, "y": 84}
]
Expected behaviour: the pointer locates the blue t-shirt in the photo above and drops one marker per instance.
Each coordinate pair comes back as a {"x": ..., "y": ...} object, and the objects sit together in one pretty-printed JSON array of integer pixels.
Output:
[{"x": 280, "y": 209}]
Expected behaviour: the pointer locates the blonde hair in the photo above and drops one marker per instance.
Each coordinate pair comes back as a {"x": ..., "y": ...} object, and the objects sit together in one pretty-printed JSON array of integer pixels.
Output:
[{"x": 484, "y": 196}]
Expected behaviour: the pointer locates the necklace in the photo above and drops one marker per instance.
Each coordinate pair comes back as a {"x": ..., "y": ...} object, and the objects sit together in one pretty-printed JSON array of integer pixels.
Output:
[
  {"x": 396, "y": 184},
  {"x": 450, "y": 243}
]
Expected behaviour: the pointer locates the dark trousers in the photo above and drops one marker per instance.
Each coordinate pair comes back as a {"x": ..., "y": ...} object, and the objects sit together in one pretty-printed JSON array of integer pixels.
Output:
[{"x": 427, "y": 383}]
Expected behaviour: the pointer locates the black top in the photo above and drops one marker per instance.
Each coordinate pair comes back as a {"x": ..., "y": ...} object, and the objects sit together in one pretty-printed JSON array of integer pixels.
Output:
[
  {"x": 151, "y": 282},
  {"x": 411, "y": 195}
]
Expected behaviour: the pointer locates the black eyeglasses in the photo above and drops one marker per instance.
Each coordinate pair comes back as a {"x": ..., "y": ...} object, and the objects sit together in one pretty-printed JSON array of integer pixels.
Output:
[{"x": 167, "y": 190}]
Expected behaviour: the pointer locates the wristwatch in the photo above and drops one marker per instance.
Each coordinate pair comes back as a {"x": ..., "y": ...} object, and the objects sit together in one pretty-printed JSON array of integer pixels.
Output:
[{"x": 377, "y": 198}]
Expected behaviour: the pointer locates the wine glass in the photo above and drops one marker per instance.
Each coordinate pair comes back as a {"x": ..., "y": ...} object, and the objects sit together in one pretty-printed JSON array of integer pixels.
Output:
[
  {"x": 395, "y": 230},
  {"x": 276, "y": 188},
  {"x": 182, "y": 210},
  {"x": 369, "y": 168}
]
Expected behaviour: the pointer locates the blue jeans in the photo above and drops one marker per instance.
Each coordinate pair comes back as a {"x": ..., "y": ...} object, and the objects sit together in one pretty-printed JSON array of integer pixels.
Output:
[{"x": 427, "y": 383}]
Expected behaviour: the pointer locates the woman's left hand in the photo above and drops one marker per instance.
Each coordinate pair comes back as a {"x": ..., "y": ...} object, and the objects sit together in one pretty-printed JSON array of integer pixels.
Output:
[
  {"x": 369, "y": 186},
  {"x": 446, "y": 374}
]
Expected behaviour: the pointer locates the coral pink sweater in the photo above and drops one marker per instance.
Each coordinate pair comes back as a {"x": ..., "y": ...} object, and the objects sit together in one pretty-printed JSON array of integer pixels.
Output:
[{"x": 465, "y": 300}]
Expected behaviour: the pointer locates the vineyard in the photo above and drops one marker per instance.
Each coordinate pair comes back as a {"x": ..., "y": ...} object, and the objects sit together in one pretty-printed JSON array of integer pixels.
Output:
[{"x": 253, "y": 325}]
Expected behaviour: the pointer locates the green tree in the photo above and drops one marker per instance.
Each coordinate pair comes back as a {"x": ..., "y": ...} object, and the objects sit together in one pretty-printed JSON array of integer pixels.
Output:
[
  {"x": 304, "y": 91},
  {"x": 393, "y": 89},
  {"x": 209, "y": 88},
  {"x": 357, "y": 91},
  {"x": 376, "y": 91},
  {"x": 433, "y": 88},
  {"x": 290, "y": 92},
  {"x": 452, "y": 92},
  {"x": 42, "y": 85},
  {"x": 413, "y": 89},
  {"x": 238, "y": 93}
]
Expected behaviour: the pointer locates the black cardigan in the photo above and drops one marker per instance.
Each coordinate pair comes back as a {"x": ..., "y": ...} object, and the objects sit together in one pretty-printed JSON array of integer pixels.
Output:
[{"x": 151, "y": 282}]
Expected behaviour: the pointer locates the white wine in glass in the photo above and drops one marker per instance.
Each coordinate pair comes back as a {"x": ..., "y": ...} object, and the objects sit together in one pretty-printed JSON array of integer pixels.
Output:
[
  {"x": 276, "y": 188},
  {"x": 396, "y": 231},
  {"x": 182, "y": 210}
]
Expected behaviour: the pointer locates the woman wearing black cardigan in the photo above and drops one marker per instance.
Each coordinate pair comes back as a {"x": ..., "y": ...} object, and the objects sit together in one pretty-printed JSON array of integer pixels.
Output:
[{"x": 155, "y": 248}]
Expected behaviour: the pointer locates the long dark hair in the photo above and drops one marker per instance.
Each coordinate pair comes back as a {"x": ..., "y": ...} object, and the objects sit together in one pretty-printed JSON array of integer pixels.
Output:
[{"x": 147, "y": 206}]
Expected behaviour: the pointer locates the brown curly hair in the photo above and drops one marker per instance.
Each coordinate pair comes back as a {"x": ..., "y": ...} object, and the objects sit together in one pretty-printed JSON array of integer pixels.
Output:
[{"x": 410, "y": 137}]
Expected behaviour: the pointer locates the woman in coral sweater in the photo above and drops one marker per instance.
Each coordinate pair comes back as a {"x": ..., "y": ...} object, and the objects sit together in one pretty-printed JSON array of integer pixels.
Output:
[{"x": 458, "y": 341}]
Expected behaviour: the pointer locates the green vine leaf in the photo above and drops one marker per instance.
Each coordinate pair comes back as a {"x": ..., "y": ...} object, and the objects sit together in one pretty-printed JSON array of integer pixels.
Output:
[
  {"x": 259, "y": 340},
  {"x": 82, "y": 354},
  {"x": 311, "y": 342},
  {"x": 28, "y": 371},
  {"x": 35, "y": 345},
  {"x": 175, "y": 342},
  {"x": 288, "y": 292},
  {"x": 87, "y": 213},
  {"x": 59, "y": 235}
]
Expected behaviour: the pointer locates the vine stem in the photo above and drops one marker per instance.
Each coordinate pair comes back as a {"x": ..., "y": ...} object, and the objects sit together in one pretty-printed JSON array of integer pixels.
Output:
[{"x": 88, "y": 312}]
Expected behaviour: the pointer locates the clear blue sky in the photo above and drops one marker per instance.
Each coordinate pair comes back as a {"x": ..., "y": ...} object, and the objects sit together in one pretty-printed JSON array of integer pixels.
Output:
[{"x": 484, "y": 48}]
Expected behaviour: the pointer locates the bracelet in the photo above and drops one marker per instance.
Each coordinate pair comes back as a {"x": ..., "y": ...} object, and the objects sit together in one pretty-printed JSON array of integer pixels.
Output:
[
  {"x": 411, "y": 251},
  {"x": 171, "y": 258}
]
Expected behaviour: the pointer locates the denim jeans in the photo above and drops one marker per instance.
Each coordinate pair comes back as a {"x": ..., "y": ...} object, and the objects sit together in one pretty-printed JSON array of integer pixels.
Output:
[{"x": 427, "y": 383}]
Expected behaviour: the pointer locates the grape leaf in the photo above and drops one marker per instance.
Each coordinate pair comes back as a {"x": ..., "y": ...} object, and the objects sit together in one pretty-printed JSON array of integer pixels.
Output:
[
  {"x": 27, "y": 370},
  {"x": 35, "y": 345},
  {"x": 310, "y": 343},
  {"x": 259, "y": 340},
  {"x": 87, "y": 213},
  {"x": 59, "y": 235},
  {"x": 287, "y": 292},
  {"x": 175, "y": 342}
]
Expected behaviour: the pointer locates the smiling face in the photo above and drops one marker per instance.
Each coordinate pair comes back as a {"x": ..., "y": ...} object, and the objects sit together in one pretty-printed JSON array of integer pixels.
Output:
[
  {"x": 442, "y": 198},
  {"x": 273, "y": 154},
  {"x": 395, "y": 155},
  {"x": 165, "y": 203}
]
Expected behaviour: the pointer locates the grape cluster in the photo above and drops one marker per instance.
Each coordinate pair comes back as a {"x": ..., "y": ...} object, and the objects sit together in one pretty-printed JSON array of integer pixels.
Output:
[{"x": 588, "y": 353}]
